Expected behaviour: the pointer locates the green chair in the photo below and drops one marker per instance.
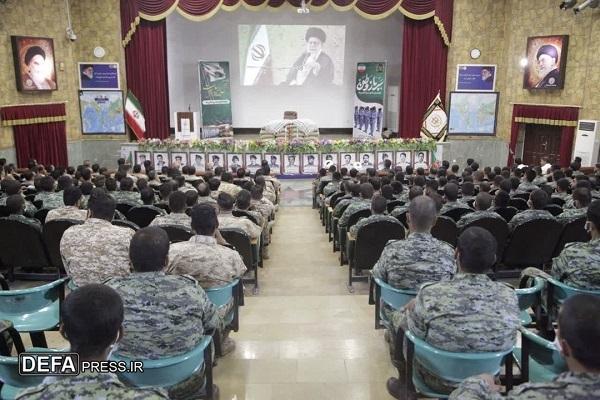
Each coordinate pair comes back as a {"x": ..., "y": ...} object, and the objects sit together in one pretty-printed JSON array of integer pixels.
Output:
[
  {"x": 539, "y": 358},
  {"x": 557, "y": 293},
  {"x": 12, "y": 382},
  {"x": 530, "y": 297},
  {"x": 389, "y": 295},
  {"x": 451, "y": 366},
  {"x": 222, "y": 295},
  {"x": 166, "y": 372},
  {"x": 34, "y": 310}
]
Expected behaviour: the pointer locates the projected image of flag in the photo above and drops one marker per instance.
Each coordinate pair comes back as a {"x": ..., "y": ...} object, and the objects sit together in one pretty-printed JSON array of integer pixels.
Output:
[{"x": 257, "y": 57}]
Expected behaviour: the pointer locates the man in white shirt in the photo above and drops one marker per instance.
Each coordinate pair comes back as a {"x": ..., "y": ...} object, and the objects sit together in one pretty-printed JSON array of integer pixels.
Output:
[{"x": 545, "y": 165}]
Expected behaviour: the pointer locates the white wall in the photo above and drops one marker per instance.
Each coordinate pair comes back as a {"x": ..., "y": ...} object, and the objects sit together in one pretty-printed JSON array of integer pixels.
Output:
[{"x": 217, "y": 40}]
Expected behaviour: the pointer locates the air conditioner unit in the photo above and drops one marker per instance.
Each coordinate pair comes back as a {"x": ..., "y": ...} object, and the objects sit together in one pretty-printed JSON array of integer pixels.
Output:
[{"x": 587, "y": 142}]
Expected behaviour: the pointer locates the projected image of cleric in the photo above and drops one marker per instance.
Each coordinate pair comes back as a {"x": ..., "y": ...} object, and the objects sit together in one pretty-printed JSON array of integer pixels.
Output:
[{"x": 313, "y": 67}]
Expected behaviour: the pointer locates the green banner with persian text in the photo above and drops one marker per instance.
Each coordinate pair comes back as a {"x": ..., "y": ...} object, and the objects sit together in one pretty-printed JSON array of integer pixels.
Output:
[
  {"x": 369, "y": 100},
  {"x": 215, "y": 93}
]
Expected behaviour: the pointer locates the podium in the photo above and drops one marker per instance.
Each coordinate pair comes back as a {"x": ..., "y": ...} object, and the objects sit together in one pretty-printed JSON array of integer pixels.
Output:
[{"x": 186, "y": 126}]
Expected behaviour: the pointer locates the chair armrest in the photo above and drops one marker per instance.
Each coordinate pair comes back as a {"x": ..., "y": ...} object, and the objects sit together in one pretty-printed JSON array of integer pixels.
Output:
[{"x": 7, "y": 326}]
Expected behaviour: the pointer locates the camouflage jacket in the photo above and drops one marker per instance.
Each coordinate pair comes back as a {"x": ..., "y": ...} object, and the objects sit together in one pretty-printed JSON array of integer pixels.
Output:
[
  {"x": 29, "y": 221},
  {"x": 331, "y": 188},
  {"x": 452, "y": 205},
  {"x": 50, "y": 199},
  {"x": 67, "y": 212},
  {"x": 528, "y": 215},
  {"x": 227, "y": 220},
  {"x": 340, "y": 206},
  {"x": 165, "y": 315},
  {"x": 360, "y": 204},
  {"x": 265, "y": 207},
  {"x": 465, "y": 200},
  {"x": 95, "y": 251},
  {"x": 420, "y": 258},
  {"x": 400, "y": 210},
  {"x": 571, "y": 214},
  {"x": 566, "y": 386},
  {"x": 173, "y": 219},
  {"x": 578, "y": 265},
  {"x": 569, "y": 202},
  {"x": 230, "y": 189},
  {"x": 475, "y": 216},
  {"x": 127, "y": 197},
  {"x": 561, "y": 195},
  {"x": 208, "y": 200},
  {"x": 88, "y": 385},
  {"x": 373, "y": 218},
  {"x": 30, "y": 209},
  {"x": 206, "y": 261},
  {"x": 525, "y": 187}
]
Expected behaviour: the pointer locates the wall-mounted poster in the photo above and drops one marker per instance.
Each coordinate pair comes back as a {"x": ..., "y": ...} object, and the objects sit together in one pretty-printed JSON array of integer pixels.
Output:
[
  {"x": 347, "y": 160},
  {"x": 102, "y": 112},
  {"x": 421, "y": 159},
  {"x": 329, "y": 159},
  {"x": 98, "y": 76},
  {"x": 546, "y": 62},
  {"x": 179, "y": 160},
  {"x": 253, "y": 162},
  {"x": 382, "y": 156},
  {"x": 161, "y": 160},
  {"x": 475, "y": 77},
  {"x": 141, "y": 157},
  {"x": 310, "y": 164},
  {"x": 197, "y": 161},
  {"x": 291, "y": 164},
  {"x": 274, "y": 161},
  {"x": 403, "y": 159},
  {"x": 214, "y": 160},
  {"x": 234, "y": 161},
  {"x": 472, "y": 113},
  {"x": 34, "y": 63},
  {"x": 367, "y": 160}
]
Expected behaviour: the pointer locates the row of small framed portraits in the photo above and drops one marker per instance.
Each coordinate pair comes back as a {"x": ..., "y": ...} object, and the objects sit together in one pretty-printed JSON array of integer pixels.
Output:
[{"x": 286, "y": 164}]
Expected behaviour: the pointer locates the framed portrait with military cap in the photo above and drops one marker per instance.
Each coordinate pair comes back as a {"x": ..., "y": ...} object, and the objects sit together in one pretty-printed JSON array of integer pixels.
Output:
[
  {"x": 234, "y": 161},
  {"x": 546, "y": 62},
  {"x": 35, "y": 68}
]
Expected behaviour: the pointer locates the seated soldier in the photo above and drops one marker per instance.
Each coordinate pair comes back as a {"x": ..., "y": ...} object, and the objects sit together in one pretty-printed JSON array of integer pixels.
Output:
[
  {"x": 227, "y": 220},
  {"x": 191, "y": 198},
  {"x": 420, "y": 258},
  {"x": 260, "y": 203},
  {"x": 204, "y": 195},
  {"x": 451, "y": 197},
  {"x": 165, "y": 315},
  {"x": 214, "y": 183},
  {"x": 469, "y": 313},
  {"x": 562, "y": 189},
  {"x": 153, "y": 180},
  {"x": 538, "y": 199},
  {"x": 92, "y": 322},
  {"x": 268, "y": 192},
  {"x": 577, "y": 340},
  {"x": 71, "y": 209},
  {"x": 177, "y": 216},
  {"x": 388, "y": 192},
  {"x": 352, "y": 194},
  {"x": 96, "y": 250},
  {"x": 242, "y": 203},
  {"x": 334, "y": 185},
  {"x": 581, "y": 201},
  {"x": 581, "y": 182},
  {"x": 413, "y": 193},
  {"x": 137, "y": 172},
  {"x": 468, "y": 192},
  {"x": 86, "y": 190},
  {"x": 378, "y": 213},
  {"x": 47, "y": 195},
  {"x": 15, "y": 205},
  {"x": 11, "y": 187},
  {"x": 227, "y": 185},
  {"x": 364, "y": 203},
  {"x": 482, "y": 205},
  {"x": 527, "y": 185},
  {"x": 501, "y": 200},
  {"x": 125, "y": 194},
  {"x": 147, "y": 197}
]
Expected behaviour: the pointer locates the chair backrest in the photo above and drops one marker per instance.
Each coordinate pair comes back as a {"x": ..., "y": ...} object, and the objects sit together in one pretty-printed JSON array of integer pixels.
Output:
[
  {"x": 177, "y": 233},
  {"x": 125, "y": 223},
  {"x": 524, "y": 196},
  {"x": 4, "y": 211},
  {"x": 241, "y": 241},
  {"x": 471, "y": 203},
  {"x": 23, "y": 246},
  {"x": 222, "y": 294},
  {"x": 393, "y": 204},
  {"x": 52, "y": 234},
  {"x": 41, "y": 214},
  {"x": 402, "y": 218},
  {"x": 455, "y": 367},
  {"x": 142, "y": 216},
  {"x": 242, "y": 213},
  {"x": 445, "y": 229},
  {"x": 531, "y": 295},
  {"x": 169, "y": 371},
  {"x": 506, "y": 212},
  {"x": 124, "y": 207},
  {"x": 16, "y": 304},
  {"x": 544, "y": 353},
  {"x": 38, "y": 203},
  {"x": 370, "y": 241},
  {"x": 498, "y": 228},
  {"x": 393, "y": 297},
  {"x": 353, "y": 219},
  {"x": 574, "y": 231},
  {"x": 553, "y": 209},
  {"x": 164, "y": 206},
  {"x": 518, "y": 203},
  {"x": 456, "y": 213},
  {"x": 334, "y": 198},
  {"x": 532, "y": 243},
  {"x": 558, "y": 201},
  {"x": 561, "y": 291},
  {"x": 12, "y": 381}
]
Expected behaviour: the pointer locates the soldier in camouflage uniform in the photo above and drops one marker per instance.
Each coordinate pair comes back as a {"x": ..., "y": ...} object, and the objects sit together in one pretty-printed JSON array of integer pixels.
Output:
[
  {"x": 451, "y": 197},
  {"x": 47, "y": 196},
  {"x": 467, "y": 192},
  {"x": 483, "y": 203},
  {"x": 177, "y": 216},
  {"x": 260, "y": 204},
  {"x": 227, "y": 185},
  {"x": 366, "y": 193},
  {"x": 413, "y": 193},
  {"x": 527, "y": 185},
  {"x": 10, "y": 187},
  {"x": 96, "y": 250},
  {"x": 378, "y": 213},
  {"x": 562, "y": 187},
  {"x": 165, "y": 315},
  {"x": 334, "y": 185},
  {"x": 420, "y": 258},
  {"x": 340, "y": 206},
  {"x": 578, "y": 333},
  {"x": 470, "y": 313},
  {"x": 227, "y": 220},
  {"x": 204, "y": 195},
  {"x": 91, "y": 319},
  {"x": 15, "y": 205},
  {"x": 126, "y": 193},
  {"x": 538, "y": 199},
  {"x": 581, "y": 200},
  {"x": 71, "y": 210}
]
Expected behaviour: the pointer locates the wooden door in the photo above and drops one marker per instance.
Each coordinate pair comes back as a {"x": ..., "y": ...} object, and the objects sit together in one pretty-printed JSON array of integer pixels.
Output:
[{"x": 541, "y": 140}]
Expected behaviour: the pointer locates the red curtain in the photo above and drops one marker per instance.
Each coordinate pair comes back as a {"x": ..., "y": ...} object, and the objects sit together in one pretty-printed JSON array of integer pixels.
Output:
[
  {"x": 146, "y": 65},
  {"x": 424, "y": 61},
  {"x": 39, "y": 132},
  {"x": 545, "y": 115}
]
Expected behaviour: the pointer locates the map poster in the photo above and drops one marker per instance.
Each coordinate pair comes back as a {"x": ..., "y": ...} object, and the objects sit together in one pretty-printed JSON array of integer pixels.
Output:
[
  {"x": 215, "y": 93},
  {"x": 369, "y": 97},
  {"x": 101, "y": 112},
  {"x": 472, "y": 113}
]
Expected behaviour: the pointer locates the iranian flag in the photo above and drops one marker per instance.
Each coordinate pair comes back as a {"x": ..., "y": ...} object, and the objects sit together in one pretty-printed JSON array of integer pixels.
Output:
[{"x": 135, "y": 115}]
